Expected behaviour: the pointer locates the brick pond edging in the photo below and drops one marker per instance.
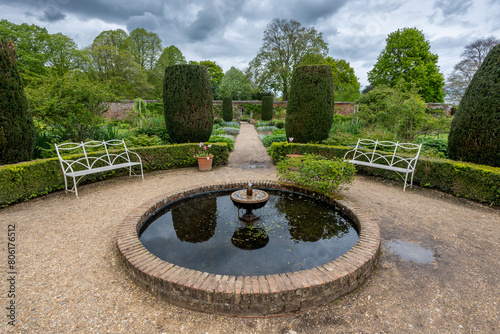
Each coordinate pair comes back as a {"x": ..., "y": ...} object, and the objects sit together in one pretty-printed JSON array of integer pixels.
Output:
[{"x": 248, "y": 296}]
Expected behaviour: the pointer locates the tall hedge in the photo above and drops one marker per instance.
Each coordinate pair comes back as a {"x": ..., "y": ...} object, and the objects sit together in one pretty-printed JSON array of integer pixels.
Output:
[
  {"x": 17, "y": 129},
  {"x": 187, "y": 101},
  {"x": 227, "y": 109},
  {"x": 309, "y": 114},
  {"x": 475, "y": 129},
  {"x": 267, "y": 108}
]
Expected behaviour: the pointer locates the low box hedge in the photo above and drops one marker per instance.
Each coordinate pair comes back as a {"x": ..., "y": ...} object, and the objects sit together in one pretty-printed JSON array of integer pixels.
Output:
[
  {"x": 22, "y": 181},
  {"x": 476, "y": 182}
]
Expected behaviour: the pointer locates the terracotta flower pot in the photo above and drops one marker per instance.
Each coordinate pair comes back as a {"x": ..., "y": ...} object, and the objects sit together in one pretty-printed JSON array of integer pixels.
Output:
[{"x": 205, "y": 163}]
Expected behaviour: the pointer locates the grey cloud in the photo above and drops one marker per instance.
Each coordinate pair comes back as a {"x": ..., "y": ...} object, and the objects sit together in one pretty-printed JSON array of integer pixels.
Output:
[
  {"x": 51, "y": 14},
  {"x": 453, "y": 7},
  {"x": 147, "y": 21},
  {"x": 206, "y": 22}
]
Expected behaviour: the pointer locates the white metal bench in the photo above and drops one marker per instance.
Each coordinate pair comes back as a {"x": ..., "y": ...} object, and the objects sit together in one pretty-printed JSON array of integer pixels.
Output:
[
  {"x": 90, "y": 164},
  {"x": 366, "y": 154}
]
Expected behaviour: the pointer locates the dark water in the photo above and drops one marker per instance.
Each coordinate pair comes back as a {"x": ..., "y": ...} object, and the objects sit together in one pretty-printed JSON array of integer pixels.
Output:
[{"x": 294, "y": 232}]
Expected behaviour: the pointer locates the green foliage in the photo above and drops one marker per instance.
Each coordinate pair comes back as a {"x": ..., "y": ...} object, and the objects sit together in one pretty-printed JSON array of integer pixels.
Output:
[
  {"x": 216, "y": 75},
  {"x": 326, "y": 176},
  {"x": 17, "y": 129},
  {"x": 476, "y": 182},
  {"x": 227, "y": 109},
  {"x": 268, "y": 140},
  {"x": 72, "y": 104},
  {"x": 433, "y": 147},
  {"x": 285, "y": 44},
  {"x": 398, "y": 110},
  {"x": 146, "y": 47},
  {"x": 310, "y": 109},
  {"x": 187, "y": 99},
  {"x": 345, "y": 82},
  {"x": 475, "y": 129},
  {"x": 267, "y": 108},
  {"x": 235, "y": 85},
  {"x": 407, "y": 56},
  {"x": 222, "y": 139},
  {"x": 142, "y": 140},
  {"x": 23, "y": 181}
]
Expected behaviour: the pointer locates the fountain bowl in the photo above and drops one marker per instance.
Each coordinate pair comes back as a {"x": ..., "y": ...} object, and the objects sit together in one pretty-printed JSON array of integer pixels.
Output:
[{"x": 248, "y": 296}]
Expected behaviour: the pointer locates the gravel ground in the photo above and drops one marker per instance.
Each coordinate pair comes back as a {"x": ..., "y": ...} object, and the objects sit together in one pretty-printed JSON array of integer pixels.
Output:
[{"x": 69, "y": 278}]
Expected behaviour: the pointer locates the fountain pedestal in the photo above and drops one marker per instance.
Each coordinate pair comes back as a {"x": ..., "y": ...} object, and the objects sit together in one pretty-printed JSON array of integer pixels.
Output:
[{"x": 249, "y": 199}]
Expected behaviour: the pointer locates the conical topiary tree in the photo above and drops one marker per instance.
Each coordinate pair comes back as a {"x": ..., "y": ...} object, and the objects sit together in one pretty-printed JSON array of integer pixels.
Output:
[
  {"x": 187, "y": 100},
  {"x": 475, "y": 128},
  {"x": 227, "y": 109},
  {"x": 17, "y": 129},
  {"x": 267, "y": 108},
  {"x": 309, "y": 114}
]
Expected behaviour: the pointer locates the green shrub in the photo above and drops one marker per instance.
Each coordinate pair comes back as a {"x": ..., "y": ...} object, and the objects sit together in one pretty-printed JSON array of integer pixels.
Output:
[
  {"x": 433, "y": 147},
  {"x": 17, "y": 129},
  {"x": 476, "y": 182},
  {"x": 142, "y": 140},
  {"x": 187, "y": 98},
  {"x": 227, "y": 109},
  {"x": 267, "y": 107},
  {"x": 326, "y": 176},
  {"x": 475, "y": 129},
  {"x": 309, "y": 113},
  {"x": 22, "y": 181},
  {"x": 222, "y": 139},
  {"x": 274, "y": 138}
]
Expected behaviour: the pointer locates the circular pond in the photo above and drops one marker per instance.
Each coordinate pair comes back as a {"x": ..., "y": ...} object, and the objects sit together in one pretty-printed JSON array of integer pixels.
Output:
[
  {"x": 294, "y": 232},
  {"x": 278, "y": 264}
]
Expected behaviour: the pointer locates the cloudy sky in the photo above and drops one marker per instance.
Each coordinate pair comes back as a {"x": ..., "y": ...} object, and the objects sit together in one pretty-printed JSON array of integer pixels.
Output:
[{"x": 230, "y": 32}]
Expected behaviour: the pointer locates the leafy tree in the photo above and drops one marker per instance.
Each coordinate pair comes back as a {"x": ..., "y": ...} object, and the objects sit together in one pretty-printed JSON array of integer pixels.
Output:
[
  {"x": 473, "y": 56},
  {"x": 170, "y": 56},
  {"x": 31, "y": 47},
  {"x": 216, "y": 74},
  {"x": 475, "y": 129},
  {"x": 17, "y": 130},
  {"x": 398, "y": 110},
  {"x": 63, "y": 54},
  {"x": 235, "y": 85},
  {"x": 407, "y": 56},
  {"x": 309, "y": 115},
  {"x": 187, "y": 101},
  {"x": 110, "y": 60},
  {"x": 285, "y": 43},
  {"x": 147, "y": 47},
  {"x": 345, "y": 82},
  {"x": 71, "y": 104}
]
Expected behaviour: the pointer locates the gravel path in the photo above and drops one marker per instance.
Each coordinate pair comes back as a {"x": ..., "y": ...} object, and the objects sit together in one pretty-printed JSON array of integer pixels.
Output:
[{"x": 70, "y": 280}]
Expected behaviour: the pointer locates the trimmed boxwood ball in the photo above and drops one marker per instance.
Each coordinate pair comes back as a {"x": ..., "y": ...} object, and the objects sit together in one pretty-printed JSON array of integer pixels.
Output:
[
  {"x": 17, "y": 129},
  {"x": 187, "y": 101},
  {"x": 475, "y": 128},
  {"x": 267, "y": 108},
  {"x": 227, "y": 109},
  {"x": 309, "y": 114}
]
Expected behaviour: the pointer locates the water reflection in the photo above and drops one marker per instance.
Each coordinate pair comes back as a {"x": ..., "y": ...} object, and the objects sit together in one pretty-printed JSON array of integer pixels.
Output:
[
  {"x": 204, "y": 233},
  {"x": 195, "y": 222}
]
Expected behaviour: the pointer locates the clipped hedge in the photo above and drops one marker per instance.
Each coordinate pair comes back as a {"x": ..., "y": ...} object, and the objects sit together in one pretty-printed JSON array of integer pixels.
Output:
[
  {"x": 22, "y": 181},
  {"x": 462, "y": 179}
]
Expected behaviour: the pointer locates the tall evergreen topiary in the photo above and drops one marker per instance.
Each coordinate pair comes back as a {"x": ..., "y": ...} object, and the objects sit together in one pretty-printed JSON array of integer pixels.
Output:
[
  {"x": 309, "y": 114},
  {"x": 267, "y": 108},
  {"x": 187, "y": 101},
  {"x": 475, "y": 128},
  {"x": 227, "y": 109},
  {"x": 17, "y": 129}
]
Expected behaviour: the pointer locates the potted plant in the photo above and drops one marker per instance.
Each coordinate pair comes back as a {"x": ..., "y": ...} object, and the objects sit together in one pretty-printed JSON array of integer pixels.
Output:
[{"x": 204, "y": 157}]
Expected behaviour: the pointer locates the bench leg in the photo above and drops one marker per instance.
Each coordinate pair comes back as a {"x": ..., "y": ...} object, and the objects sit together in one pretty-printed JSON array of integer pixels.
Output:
[{"x": 406, "y": 179}]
